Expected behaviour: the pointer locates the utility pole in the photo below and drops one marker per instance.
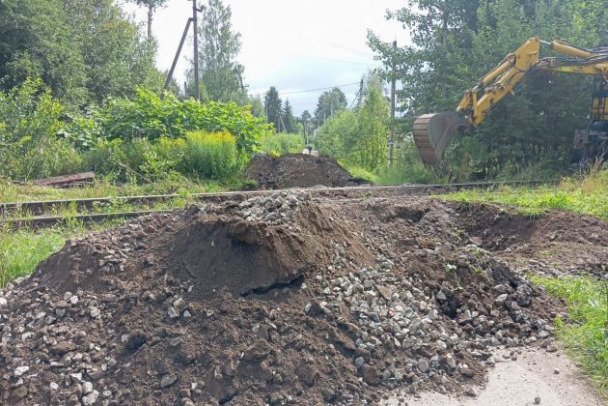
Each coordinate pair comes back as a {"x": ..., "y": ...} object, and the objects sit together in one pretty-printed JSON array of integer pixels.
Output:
[
  {"x": 197, "y": 79},
  {"x": 360, "y": 98},
  {"x": 391, "y": 142},
  {"x": 176, "y": 59}
]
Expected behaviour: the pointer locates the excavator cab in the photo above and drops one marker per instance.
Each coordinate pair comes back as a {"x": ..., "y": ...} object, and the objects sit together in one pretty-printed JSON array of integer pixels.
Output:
[{"x": 592, "y": 143}]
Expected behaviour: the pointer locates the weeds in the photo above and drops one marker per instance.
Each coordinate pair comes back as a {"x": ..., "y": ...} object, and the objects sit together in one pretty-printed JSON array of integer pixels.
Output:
[
  {"x": 586, "y": 335},
  {"x": 585, "y": 196},
  {"x": 21, "y": 251}
]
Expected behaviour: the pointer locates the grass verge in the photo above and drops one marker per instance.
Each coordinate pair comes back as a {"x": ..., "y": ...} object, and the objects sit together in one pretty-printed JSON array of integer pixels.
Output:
[
  {"x": 586, "y": 333},
  {"x": 588, "y": 195},
  {"x": 21, "y": 251}
]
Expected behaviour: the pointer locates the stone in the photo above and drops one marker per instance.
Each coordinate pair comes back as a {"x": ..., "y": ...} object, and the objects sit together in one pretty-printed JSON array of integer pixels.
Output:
[
  {"x": 423, "y": 365},
  {"x": 537, "y": 400},
  {"x": 19, "y": 371},
  {"x": 173, "y": 314},
  {"x": 94, "y": 312},
  {"x": 90, "y": 399},
  {"x": 556, "y": 371},
  {"x": 359, "y": 362},
  {"x": 87, "y": 388},
  {"x": 370, "y": 375},
  {"x": 500, "y": 300},
  {"x": 167, "y": 381}
]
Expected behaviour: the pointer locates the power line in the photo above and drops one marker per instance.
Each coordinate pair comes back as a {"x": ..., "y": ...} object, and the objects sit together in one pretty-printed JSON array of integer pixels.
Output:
[
  {"x": 318, "y": 90},
  {"x": 371, "y": 62}
]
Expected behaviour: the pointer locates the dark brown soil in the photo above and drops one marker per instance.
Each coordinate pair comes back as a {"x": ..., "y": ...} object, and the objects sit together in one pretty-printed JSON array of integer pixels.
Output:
[
  {"x": 283, "y": 300},
  {"x": 298, "y": 170}
]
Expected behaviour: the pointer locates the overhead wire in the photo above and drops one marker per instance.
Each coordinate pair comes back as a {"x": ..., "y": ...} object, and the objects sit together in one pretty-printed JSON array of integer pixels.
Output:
[{"x": 320, "y": 89}]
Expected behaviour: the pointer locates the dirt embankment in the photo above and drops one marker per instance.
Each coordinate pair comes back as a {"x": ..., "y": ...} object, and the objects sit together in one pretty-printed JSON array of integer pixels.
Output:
[
  {"x": 283, "y": 300},
  {"x": 298, "y": 170}
]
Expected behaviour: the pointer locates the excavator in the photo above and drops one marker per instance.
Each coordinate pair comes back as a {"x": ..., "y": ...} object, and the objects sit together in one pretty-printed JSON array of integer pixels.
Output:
[{"x": 433, "y": 131}]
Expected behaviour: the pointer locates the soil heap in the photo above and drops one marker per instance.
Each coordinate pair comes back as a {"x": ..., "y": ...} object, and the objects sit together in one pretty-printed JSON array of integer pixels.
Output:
[
  {"x": 299, "y": 171},
  {"x": 278, "y": 300}
]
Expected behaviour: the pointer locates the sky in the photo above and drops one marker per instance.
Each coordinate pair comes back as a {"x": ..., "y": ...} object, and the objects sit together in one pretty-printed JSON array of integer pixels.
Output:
[{"x": 295, "y": 46}]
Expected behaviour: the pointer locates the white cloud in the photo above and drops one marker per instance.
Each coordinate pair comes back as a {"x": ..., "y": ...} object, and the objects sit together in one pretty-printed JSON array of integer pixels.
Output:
[{"x": 293, "y": 45}]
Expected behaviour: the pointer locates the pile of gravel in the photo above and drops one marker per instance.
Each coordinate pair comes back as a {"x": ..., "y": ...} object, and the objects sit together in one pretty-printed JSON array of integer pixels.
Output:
[{"x": 273, "y": 300}]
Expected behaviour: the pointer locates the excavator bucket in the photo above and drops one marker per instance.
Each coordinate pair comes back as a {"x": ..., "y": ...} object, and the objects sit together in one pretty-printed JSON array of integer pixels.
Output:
[{"x": 432, "y": 133}]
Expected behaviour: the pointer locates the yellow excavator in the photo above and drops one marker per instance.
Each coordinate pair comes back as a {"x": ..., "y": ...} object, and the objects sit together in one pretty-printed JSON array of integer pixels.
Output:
[{"x": 433, "y": 131}]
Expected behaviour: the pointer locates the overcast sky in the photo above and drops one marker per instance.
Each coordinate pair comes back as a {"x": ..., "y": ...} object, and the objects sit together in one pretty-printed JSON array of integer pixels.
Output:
[{"x": 293, "y": 45}]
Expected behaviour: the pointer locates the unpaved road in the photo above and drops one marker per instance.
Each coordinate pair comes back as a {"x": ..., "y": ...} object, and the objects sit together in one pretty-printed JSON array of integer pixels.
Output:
[{"x": 519, "y": 383}]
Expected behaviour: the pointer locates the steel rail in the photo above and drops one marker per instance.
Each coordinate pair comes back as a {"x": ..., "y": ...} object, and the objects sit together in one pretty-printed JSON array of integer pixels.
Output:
[{"x": 84, "y": 206}]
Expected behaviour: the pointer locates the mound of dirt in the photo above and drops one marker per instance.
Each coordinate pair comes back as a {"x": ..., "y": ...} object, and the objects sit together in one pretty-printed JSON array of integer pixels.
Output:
[
  {"x": 273, "y": 300},
  {"x": 299, "y": 170}
]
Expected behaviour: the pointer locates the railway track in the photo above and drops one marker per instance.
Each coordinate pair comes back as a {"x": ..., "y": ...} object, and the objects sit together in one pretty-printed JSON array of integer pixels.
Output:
[{"x": 39, "y": 214}]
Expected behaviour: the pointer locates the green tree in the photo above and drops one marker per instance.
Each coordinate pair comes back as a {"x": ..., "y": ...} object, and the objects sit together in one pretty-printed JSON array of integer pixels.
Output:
[
  {"x": 329, "y": 103},
  {"x": 306, "y": 120},
  {"x": 84, "y": 50},
  {"x": 272, "y": 106},
  {"x": 289, "y": 121},
  {"x": 151, "y": 5},
  {"x": 221, "y": 74}
]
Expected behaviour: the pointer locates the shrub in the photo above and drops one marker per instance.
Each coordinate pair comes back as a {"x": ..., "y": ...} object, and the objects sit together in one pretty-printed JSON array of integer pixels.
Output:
[
  {"x": 210, "y": 156},
  {"x": 29, "y": 143},
  {"x": 148, "y": 116}
]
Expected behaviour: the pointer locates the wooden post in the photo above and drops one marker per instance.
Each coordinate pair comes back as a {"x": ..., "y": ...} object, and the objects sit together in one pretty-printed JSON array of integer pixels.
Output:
[
  {"x": 197, "y": 79},
  {"x": 391, "y": 143}
]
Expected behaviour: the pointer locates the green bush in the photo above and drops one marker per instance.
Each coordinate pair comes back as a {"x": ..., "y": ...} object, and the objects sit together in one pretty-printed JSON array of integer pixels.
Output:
[
  {"x": 210, "y": 156},
  {"x": 30, "y": 146},
  {"x": 281, "y": 143},
  {"x": 148, "y": 116}
]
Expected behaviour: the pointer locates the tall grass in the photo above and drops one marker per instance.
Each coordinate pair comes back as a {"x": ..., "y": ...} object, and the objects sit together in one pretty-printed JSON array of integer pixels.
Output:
[
  {"x": 585, "y": 195},
  {"x": 211, "y": 156},
  {"x": 21, "y": 251},
  {"x": 586, "y": 335}
]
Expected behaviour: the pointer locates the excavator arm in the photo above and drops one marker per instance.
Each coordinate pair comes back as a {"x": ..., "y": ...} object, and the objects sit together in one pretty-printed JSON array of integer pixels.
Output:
[{"x": 433, "y": 131}]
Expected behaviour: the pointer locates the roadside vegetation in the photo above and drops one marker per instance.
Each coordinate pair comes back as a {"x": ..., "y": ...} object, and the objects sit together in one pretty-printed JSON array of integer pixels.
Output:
[
  {"x": 584, "y": 334},
  {"x": 584, "y": 194}
]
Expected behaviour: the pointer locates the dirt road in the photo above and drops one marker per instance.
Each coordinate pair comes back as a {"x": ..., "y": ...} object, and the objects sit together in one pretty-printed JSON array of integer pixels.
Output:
[{"x": 549, "y": 379}]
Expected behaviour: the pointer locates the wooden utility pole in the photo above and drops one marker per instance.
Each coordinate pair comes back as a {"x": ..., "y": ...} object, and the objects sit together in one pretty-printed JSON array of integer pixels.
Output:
[
  {"x": 391, "y": 142},
  {"x": 197, "y": 79},
  {"x": 177, "y": 54},
  {"x": 360, "y": 97}
]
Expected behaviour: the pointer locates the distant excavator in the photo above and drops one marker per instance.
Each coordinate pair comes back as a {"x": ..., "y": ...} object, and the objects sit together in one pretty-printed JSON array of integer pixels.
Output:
[{"x": 433, "y": 131}]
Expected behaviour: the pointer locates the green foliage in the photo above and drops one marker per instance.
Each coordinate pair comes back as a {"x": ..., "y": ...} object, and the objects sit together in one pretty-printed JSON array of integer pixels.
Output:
[
  {"x": 359, "y": 137},
  {"x": 330, "y": 102},
  {"x": 84, "y": 51},
  {"x": 29, "y": 144},
  {"x": 281, "y": 143},
  {"x": 586, "y": 196},
  {"x": 289, "y": 121},
  {"x": 585, "y": 334},
  {"x": 273, "y": 106},
  {"x": 219, "y": 45},
  {"x": 21, "y": 251},
  {"x": 210, "y": 156},
  {"x": 148, "y": 116}
]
